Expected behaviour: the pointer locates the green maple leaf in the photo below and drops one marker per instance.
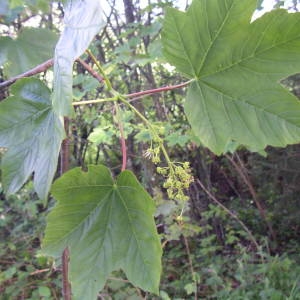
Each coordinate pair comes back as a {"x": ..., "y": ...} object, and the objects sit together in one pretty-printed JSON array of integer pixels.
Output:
[
  {"x": 32, "y": 47},
  {"x": 107, "y": 225},
  {"x": 32, "y": 133},
  {"x": 237, "y": 67}
]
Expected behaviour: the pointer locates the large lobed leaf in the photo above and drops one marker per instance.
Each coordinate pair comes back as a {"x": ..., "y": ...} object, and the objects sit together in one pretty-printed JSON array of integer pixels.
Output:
[
  {"x": 32, "y": 132},
  {"x": 107, "y": 225},
  {"x": 237, "y": 66},
  {"x": 32, "y": 47},
  {"x": 83, "y": 20}
]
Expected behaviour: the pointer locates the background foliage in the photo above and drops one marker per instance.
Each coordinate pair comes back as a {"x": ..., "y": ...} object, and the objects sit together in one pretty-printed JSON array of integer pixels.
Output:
[{"x": 207, "y": 254}]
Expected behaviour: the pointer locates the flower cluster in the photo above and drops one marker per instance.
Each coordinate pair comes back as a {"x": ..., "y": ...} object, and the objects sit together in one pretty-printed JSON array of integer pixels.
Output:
[
  {"x": 153, "y": 154},
  {"x": 178, "y": 175},
  {"x": 178, "y": 179}
]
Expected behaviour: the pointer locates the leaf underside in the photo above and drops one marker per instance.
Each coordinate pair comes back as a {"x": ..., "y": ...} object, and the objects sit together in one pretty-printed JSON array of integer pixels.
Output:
[
  {"x": 83, "y": 20},
  {"x": 32, "y": 132},
  {"x": 107, "y": 226},
  {"x": 237, "y": 67}
]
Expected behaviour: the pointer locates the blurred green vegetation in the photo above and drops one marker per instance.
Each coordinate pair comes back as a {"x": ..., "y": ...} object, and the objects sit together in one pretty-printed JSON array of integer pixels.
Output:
[{"x": 207, "y": 254}]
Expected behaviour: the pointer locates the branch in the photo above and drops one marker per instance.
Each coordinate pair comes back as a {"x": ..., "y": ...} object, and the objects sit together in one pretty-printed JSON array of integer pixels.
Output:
[
  {"x": 65, "y": 272},
  {"x": 49, "y": 63},
  {"x": 233, "y": 215},
  {"x": 241, "y": 170},
  {"x": 90, "y": 70},
  {"x": 135, "y": 96},
  {"x": 36, "y": 70},
  {"x": 122, "y": 138},
  {"x": 159, "y": 90},
  {"x": 44, "y": 67}
]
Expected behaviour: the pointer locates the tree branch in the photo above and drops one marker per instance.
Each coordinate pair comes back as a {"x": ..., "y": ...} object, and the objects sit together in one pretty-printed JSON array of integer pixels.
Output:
[
  {"x": 159, "y": 90},
  {"x": 36, "y": 70},
  {"x": 241, "y": 170},
  {"x": 49, "y": 63},
  {"x": 90, "y": 70},
  {"x": 122, "y": 138},
  {"x": 135, "y": 96},
  {"x": 233, "y": 215},
  {"x": 67, "y": 294},
  {"x": 44, "y": 67}
]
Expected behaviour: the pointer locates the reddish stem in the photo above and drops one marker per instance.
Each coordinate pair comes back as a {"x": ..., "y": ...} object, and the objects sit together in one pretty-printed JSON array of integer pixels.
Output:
[
  {"x": 90, "y": 70},
  {"x": 65, "y": 271},
  {"x": 124, "y": 154},
  {"x": 65, "y": 149},
  {"x": 38, "y": 69},
  {"x": 123, "y": 146},
  {"x": 44, "y": 67},
  {"x": 49, "y": 63},
  {"x": 158, "y": 90}
]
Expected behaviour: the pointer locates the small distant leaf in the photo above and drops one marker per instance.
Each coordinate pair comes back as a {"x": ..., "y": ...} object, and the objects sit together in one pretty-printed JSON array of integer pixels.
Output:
[
  {"x": 151, "y": 30},
  {"x": 39, "y": 5},
  {"x": 44, "y": 291},
  {"x": 107, "y": 225},
  {"x": 164, "y": 295},
  {"x": 101, "y": 135},
  {"x": 32, "y": 133},
  {"x": 237, "y": 66},
  {"x": 32, "y": 47},
  {"x": 83, "y": 20},
  {"x": 86, "y": 83},
  {"x": 177, "y": 138},
  {"x": 35, "y": 6},
  {"x": 9, "y": 273},
  {"x": 190, "y": 288},
  {"x": 155, "y": 50},
  {"x": 143, "y": 135},
  {"x": 15, "y": 3}
]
